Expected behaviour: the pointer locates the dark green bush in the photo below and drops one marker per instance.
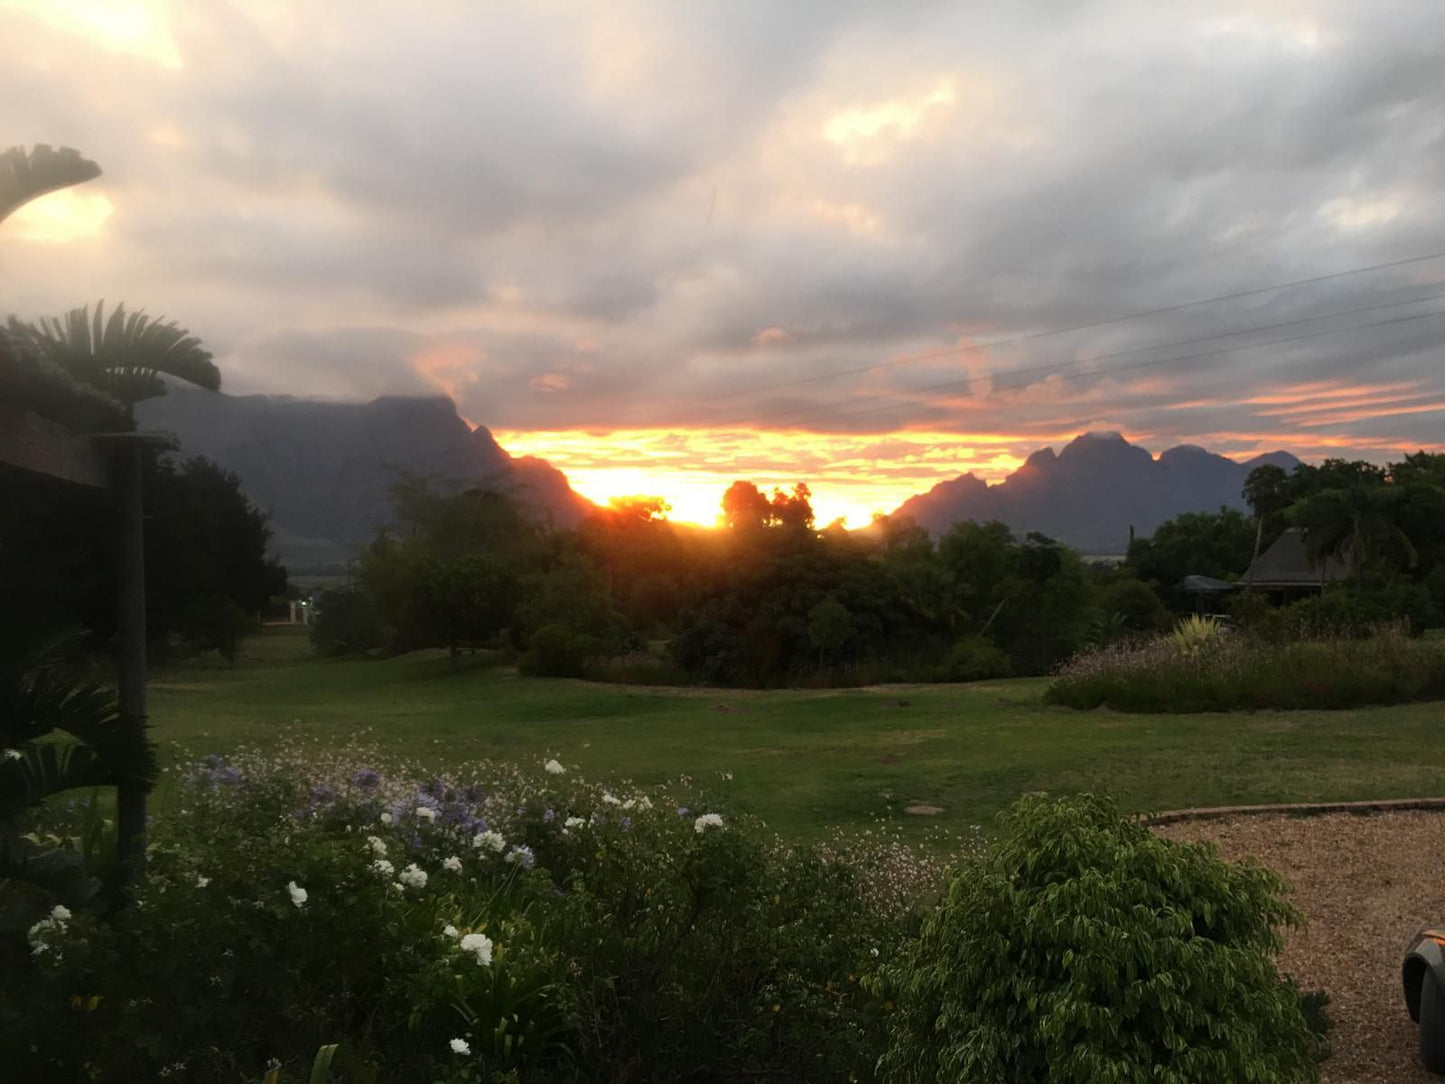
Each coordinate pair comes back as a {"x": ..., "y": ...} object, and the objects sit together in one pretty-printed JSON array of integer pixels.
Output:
[
  {"x": 559, "y": 651},
  {"x": 346, "y": 623},
  {"x": 1083, "y": 948},
  {"x": 977, "y": 658}
]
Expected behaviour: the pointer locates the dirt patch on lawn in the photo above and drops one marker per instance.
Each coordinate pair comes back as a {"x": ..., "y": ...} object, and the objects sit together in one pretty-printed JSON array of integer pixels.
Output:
[{"x": 1366, "y": 883}]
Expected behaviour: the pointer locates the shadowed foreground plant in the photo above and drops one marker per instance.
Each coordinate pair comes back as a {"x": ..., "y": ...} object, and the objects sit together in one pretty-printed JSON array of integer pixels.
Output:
[{"x": 1084, "y": 949}]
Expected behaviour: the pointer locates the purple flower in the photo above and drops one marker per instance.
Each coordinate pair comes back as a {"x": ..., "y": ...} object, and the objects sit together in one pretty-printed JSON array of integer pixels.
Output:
[
  {"x": 522, "y": 855},
  {"x": 365, "y": 779},
  {"x": 548, "y": 817},
  {"x": 626, "y": 823},
  {"x": 683, "y": 811}
]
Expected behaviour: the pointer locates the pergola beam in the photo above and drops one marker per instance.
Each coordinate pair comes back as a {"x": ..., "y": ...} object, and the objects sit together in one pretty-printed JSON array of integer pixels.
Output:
[{"x": 41, "y": 446}]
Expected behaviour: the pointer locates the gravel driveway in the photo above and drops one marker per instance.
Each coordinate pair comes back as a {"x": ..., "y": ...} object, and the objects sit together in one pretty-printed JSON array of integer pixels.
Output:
[{"x": 1366, "y": 883}]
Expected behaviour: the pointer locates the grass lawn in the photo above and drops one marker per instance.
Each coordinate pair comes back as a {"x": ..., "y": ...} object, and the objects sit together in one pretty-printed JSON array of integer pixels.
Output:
[{"x": 805, "y": 760}]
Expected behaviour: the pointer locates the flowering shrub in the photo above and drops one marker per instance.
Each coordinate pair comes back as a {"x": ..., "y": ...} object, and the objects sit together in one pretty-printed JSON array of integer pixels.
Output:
[
  {"x": 1084, "y": 948},
  {"x": 498, "y": 923},
  {"x": 1243, "y": 672}
]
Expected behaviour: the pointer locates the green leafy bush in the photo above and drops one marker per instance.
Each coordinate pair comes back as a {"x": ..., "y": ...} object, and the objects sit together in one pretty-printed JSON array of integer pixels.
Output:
[
  {"x": 977, "y": 658},
  {"x": 1244, "y": 672},
  {"x": 559, "y": 651},
  {"x": 347, "y": 623},
  {"x": 1083, "y": 948}
]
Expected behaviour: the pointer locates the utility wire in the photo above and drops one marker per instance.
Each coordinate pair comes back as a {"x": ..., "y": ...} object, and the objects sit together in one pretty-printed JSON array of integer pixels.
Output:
[
  {"x": 1152, "y": 363},
  {"x": 1057, "y": 367},
  {"x": 1033, "y": 336}
]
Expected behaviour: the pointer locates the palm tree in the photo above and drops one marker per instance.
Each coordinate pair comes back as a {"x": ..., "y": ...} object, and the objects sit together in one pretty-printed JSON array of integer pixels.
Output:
[
  {"x": 1359, "y": 523},
  {"x": 125, "y": 355},
  {"x": 1266, "y": 494}
]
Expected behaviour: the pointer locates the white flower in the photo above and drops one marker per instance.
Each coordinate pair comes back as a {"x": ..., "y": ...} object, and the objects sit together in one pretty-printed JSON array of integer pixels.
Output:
[
  {"x": 873, "y": 952},
  {"x": 383, "y": 867},
  {"x": 386, "y": 818},
  {"x": 16, "y": 754},
  {"x": 553, "y": 767},
  {"x": 60, "y": 913},
  {"x": 459, "y": 1046},
  {"x": 413, "y": 876},
  {"x": 377, "y": 844},
  {"x": 426, "y": 813},
  {"x": 489, "y": 841},
  {"x": 298, "y": 894},
  {"x": 631, "y": 803},
  {"x": 727, "y": 776},
  {"x": 644, "y": 802},
  {"x": 610, "y": 799},
  {"x": 201, "y": 882},
  {"x": 453, "y": 863},
  {"x": 451, "y": 931},
  {"x": 706, "y": 821},
  {"x": 575, "y": 822},
  {"x": 480, "y": 945}
]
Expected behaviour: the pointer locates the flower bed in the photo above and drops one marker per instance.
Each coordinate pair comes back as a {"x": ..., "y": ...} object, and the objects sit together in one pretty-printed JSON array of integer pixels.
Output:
[{"x": 463, "y": 927}]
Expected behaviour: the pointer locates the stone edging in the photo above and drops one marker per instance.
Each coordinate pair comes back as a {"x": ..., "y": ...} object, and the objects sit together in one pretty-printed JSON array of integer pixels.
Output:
[{"x": 1293, "y": 809}]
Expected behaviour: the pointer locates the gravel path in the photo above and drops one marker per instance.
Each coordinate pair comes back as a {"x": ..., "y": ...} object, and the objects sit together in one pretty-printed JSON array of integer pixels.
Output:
[{"x": 1366, "y": 883}]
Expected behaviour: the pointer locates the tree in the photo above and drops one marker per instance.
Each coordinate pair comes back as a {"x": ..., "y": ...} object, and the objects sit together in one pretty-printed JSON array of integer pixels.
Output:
[
  {"x": 1267, "y": 493},
  {"x": 1216, "y": 544},
  {"x": 830, "y": 626},
  {"x": 745, "y": 507},
  {"x": 125, "y": 355},
  {"x": 1359, "y": 523}
]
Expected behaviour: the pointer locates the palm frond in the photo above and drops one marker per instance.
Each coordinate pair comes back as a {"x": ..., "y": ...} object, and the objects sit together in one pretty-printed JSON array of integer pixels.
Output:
[
  {"x": 27, "y": 176},
  {"x": 125, "y": 354},
  {"x": 48, "y": 768}
]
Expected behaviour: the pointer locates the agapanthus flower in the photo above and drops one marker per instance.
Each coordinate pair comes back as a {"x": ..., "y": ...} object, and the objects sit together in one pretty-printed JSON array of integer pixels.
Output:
[
  {"x": 377, "y": 844},
  {"x": 522, "y": 855},
  {"x": 201, "y": 882},
  {"x": 383, "y": 867},
  {"x": 451, "y": 931},
  {"x": 706, "y": 821},
  {"x": 479, "y": 945},
  {"x": 459, "y": 1046},
  {"x": 610, "y": 799},
  {"x": 413, "y": 876},
  {"x": 386, "y": 818},
  {"x": 553, "y": 767},
  {"x": 365, "y": 779},
  {"x": 14, "y": 754},
  {"x": 452, "y": 863},
  {"x": 60, "y": 913},
  {"x": 426, "y": 813},
  {"x": 490, "y": 841},
  {"x": 298, "y": 894},
  {"x": 575, "y": 822}
]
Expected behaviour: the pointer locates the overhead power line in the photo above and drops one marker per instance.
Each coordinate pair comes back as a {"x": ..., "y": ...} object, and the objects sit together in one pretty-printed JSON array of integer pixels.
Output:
[{"x": 1058, "y": 367}]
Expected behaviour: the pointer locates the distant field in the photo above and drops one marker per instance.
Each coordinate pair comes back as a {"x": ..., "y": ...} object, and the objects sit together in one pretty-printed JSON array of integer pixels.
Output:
[{"x": 806, "y": 760}]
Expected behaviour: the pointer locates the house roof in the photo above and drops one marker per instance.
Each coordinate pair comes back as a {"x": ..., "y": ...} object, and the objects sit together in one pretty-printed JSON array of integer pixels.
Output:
[{"x": 1287, "y": 564}]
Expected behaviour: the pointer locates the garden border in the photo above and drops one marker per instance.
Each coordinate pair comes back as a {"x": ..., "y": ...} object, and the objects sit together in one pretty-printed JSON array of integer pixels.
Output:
[{"x": 1295, "y": 809}]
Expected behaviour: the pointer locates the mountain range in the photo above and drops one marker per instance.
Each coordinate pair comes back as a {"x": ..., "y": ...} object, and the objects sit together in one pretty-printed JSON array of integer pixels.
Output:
[
  {"x": 1094, "y": 492},
  {"x": 323, "y": 469}
]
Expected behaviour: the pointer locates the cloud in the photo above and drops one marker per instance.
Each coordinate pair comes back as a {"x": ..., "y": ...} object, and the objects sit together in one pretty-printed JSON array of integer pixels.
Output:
[{"x": 727, "y": 215}]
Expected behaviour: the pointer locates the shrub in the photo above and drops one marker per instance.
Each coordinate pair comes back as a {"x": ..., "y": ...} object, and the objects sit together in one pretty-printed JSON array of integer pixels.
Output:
[
  {"x": 558, "y": 651},
  {"x": 346, "y": 623},
  {"x": 1084, "y": 948},
  {"x": 977, "y": 658},
  {"x": 1245, "y": 672},
  {"x": 1194, "y": 635},
  {"x": 300, "y": 897}
]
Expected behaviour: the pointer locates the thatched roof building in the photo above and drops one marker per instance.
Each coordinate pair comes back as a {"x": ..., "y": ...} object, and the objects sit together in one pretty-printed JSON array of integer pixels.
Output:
[{"x": 1286, "y": 565}]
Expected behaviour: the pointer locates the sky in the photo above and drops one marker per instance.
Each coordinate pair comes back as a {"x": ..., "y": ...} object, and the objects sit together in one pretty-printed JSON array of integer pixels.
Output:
[{"x": 669, "y": 245}]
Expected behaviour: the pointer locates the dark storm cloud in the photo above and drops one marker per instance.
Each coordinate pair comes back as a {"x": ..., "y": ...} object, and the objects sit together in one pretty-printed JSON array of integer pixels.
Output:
[{"x": 651, "y": 214}]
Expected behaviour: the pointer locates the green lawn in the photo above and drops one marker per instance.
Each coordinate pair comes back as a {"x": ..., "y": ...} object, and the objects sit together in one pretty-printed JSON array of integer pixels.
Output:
[{"x": 806, "y": 760}]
